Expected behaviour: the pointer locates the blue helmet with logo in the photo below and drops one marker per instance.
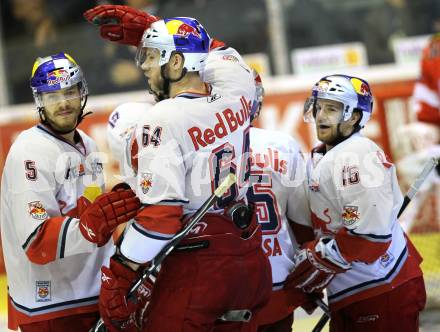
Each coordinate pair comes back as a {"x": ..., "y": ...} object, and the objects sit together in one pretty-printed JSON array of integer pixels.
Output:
[
  {"x": 178, "y": 34},
  {"x": 56, "y": 72}
]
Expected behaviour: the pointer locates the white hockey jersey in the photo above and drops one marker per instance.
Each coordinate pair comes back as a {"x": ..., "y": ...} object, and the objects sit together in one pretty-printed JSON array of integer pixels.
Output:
[
  {"x": 278, "y": 179},
  {"x": 355, "y": 199},
  {"x": 186, "y": 146},
  {"x": 52, "y": 270}
]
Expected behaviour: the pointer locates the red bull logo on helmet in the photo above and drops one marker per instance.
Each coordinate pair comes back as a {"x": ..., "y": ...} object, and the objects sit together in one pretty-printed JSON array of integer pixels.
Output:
[
  {"x": 360, "y": 87},
  {"x": 178, "y": 27},
  {"x": 57, "y": 76}
]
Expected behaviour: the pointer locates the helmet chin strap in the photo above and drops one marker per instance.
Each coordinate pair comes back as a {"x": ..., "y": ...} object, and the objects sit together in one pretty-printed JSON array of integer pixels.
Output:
[{"x": 81, "y": 116}]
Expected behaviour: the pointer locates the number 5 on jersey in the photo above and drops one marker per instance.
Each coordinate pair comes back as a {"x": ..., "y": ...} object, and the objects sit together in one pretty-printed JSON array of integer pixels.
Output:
[
  {"x": 31, "y": 170},
  {"x": 260, "y": 193}
]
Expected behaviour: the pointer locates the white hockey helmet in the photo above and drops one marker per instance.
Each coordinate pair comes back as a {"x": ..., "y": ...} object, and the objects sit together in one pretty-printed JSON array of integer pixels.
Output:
[
  {"x": 354, "y": 93},
  {"x": 181, "y": 34}
]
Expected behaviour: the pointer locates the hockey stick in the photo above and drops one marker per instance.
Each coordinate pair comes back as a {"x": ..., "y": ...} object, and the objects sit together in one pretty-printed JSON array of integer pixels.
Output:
[
  {"x": 412, "y": 191},
  {"x": 156, "y": 261}
]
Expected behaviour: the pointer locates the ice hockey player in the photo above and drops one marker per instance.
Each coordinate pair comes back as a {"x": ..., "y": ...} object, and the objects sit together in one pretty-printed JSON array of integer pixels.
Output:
[
  {"x": 55, "y": 226},
  {"x": 362, "y": 255},
  {"x": 183, "y": 148}
]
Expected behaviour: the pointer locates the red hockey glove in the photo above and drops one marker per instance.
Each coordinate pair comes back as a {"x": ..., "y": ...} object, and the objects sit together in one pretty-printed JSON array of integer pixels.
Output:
[
  {"x": 121, "y": 24},
  {"x": 117, "y": 312},
  {"x": 313, "y": 271},
  {"x": 109, "y": 210}
]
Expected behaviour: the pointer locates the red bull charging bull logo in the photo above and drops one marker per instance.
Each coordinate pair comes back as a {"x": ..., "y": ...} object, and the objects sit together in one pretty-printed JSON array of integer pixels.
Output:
[
  {"x": 37, "y": 210},
  {"x": 350, "y": 215},
  {"x": 360, "y": 87},
  {"x": 146, "y": 182},
  {"x": 322, "y": 86},
  {"x": 177, "y": 27},
  {"x": 57, "y": 76}
]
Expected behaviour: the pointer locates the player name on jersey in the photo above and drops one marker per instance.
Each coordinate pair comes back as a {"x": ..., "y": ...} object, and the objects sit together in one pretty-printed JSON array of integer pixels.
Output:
[
  {"x": 271, "y": 159},
  {"x": 271, "y": 246},
  {"x": 202, "y": 138}
]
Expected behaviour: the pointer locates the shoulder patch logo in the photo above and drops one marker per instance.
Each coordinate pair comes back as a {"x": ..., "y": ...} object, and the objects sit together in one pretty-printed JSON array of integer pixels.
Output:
[
  {"x": 146, "y": 182},
  {"x": 350, "y": 215},
  {"x": 37, "y": 210}
]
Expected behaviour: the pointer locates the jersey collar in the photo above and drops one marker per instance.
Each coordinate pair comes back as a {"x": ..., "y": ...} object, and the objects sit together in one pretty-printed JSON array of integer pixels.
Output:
[
  {"x": 193, "y": 95},
  {"x": 80, "y": 146}
]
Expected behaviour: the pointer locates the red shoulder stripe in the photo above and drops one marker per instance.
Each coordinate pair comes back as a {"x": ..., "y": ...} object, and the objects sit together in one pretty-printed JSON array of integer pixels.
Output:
[
  {"x": 354, "y": 247},
  {"x": 163, "y": 219},
  {"x": 43, "y": 248}
]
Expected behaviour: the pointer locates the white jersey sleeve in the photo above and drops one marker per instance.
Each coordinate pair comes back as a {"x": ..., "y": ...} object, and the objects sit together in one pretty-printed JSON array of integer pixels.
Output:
[
  {"x": 369, "y": 194},
  {"x": 161, "y": 175},
  {"x": 298, "y": 208},
  {"x": 161, "y": 180},
  {"x": 226, "y": 70},
  {"x": 33, "y": 181}
]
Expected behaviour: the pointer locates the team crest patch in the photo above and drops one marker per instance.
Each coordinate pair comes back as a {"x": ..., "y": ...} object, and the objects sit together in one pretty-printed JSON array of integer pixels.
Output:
[
  {"x": 350, "y": 215},
  {"x": 386, "y": 259},
  {"x": 43, "y": 291},
  {"x": 37, "y": 210},
  {"x": 146, "y": 182}
]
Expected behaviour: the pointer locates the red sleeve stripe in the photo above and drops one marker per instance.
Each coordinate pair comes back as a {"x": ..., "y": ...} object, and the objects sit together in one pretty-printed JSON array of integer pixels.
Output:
[
  {"x": 161, "y": 219},
  {"x": 362, "y": 247},
  {"x": 41, "y": 246}
]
